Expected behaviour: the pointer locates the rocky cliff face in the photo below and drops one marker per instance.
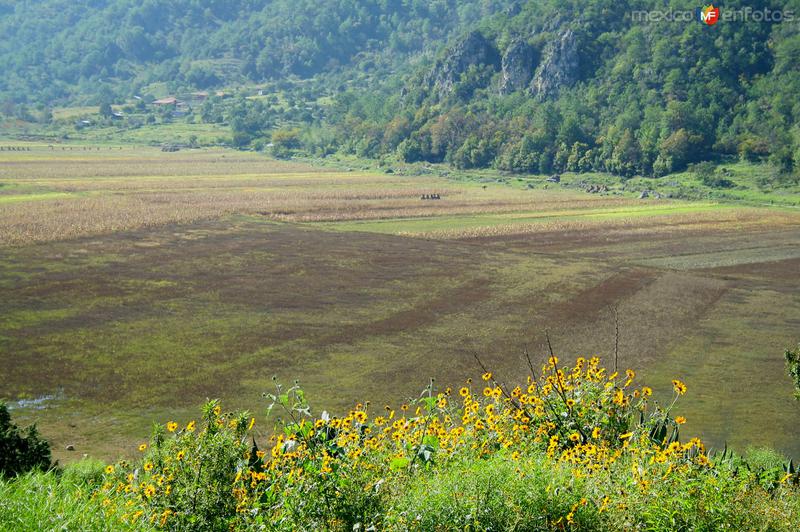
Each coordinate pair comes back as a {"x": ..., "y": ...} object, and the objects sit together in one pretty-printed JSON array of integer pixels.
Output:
[
  {"x": 474, "y": 49},
  {"x": 518, "y": 64},
  {"x": 559, "y": 67}
]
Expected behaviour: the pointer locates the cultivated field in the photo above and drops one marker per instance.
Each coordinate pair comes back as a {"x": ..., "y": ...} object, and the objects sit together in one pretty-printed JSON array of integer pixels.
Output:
[{"x": 137, "y": 283}]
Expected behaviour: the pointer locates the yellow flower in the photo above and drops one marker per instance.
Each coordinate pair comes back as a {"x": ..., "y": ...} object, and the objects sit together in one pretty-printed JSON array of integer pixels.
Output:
[
  {"x": 463, "y": 392},
  {"x": 180, "y": 455},
  {"x": 647, "y": 391},
  {"x": 487, "y": 376},
  {"x": 487, "y": 392},
  {"x": 570, "y": 402},
  {"x": 109, "y": 469},
  {"x": 679, "y": 387},
  {"x": 574, "y": 436},
  {"x": 142, "y": 447},
  {"x": 171, "y": 426},
  {"x": 680, "y": 420},
  {"x": 619, "y": 397},
  {"x": 191, "y": 426},
  {"x": 149, "y": 491},
  {"x": 148, "y": 466},
  {"x": 596, "y": 433},
  {"x": 217, "y": 410},
  {"x": 626, "y": 435}
]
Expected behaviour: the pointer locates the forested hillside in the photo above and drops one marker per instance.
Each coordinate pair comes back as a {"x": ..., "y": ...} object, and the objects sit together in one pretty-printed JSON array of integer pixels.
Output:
[
  {"x": 578, "y": 86},
  {"x": 538, "y": 86},
  {"x": 53, "y": 50}
]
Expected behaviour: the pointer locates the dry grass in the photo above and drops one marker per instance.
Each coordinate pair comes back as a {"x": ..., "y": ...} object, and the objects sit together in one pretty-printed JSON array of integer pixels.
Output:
[
  {"x": 43, "y": 164},
  {"x": 96, "y": 212},
  {"x": 57, "y": 195}
]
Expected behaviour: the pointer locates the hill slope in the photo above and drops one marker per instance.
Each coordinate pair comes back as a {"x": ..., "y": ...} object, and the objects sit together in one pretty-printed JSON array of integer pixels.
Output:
[
  {"x": 537, "y": 87},
  {"x": 55, "y": 50},
  {"x": 576, "y": 86}
]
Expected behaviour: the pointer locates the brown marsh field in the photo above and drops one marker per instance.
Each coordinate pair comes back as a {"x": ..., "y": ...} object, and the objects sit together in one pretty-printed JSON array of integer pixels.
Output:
[{"x": 134, "y": 284}]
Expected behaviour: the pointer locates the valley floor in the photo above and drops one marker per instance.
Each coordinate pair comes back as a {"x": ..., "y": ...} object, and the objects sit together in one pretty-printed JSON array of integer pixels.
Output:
[{"x": 137, "y": 283}]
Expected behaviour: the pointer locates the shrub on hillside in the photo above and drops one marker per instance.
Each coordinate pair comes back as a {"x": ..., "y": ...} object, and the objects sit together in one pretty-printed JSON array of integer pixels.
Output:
[
  {"x": 285, "y": 142},
  {"x": 706, "y": 172},
  {"x": 20, "y": 450}
]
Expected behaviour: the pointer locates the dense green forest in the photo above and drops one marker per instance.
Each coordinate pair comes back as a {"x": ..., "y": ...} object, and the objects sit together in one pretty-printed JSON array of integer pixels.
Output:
[
  {"x": 538, "y": 87},
  {"x": 54, "y": 50},
  {"x": 578, "y": 86}
]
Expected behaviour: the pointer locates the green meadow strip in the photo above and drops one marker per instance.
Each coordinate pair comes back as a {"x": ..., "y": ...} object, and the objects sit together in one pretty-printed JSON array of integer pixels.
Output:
[
  {"x": 21, "y": 198},
  {"x": 487, "y": 220}
]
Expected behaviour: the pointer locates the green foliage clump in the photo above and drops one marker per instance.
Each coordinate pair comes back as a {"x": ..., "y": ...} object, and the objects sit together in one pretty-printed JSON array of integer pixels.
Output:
[
  {"x": 496, "y": 494},
  {"x": 285, "y": 142},
  {"x": 20, "y": 450},
  {"x": 185, "y": 477},
  {"x": 706, "y": 172}
]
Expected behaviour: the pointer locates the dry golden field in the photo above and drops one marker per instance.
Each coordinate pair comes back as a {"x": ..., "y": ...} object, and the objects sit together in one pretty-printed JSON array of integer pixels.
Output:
[{"x": 55, "y": 196}]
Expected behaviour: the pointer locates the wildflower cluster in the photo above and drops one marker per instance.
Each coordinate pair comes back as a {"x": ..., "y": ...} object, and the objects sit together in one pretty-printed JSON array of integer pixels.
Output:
[
  {"x": 331, "y": 472},
  {"x": 184, "y": 475}
]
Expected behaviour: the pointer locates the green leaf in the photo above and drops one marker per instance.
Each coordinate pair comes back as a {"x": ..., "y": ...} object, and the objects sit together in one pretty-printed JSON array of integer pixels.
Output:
[
  {"x": 425, "y": 453},
  {"x": 431, "y": 441},
  {"x": 430, "y": 402},
  {"x": 398, "y": 463}
]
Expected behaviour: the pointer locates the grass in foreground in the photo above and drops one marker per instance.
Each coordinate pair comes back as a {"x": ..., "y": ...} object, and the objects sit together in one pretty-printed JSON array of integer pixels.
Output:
[
  {"x": 570, "y": 448},
  {"x": 56, "y": 501}
]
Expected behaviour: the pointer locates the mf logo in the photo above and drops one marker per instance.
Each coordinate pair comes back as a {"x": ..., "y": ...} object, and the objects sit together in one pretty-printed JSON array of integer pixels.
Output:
[{"x": 708, "y": 15}]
